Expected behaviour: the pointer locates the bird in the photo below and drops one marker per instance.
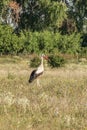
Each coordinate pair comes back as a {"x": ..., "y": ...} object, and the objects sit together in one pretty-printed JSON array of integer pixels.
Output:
[{"x": 39, "y": 71}]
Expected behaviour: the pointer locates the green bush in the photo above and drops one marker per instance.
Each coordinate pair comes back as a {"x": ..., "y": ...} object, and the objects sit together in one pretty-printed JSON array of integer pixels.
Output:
[
  {"x": 35, "y": 61},
  {"x": 46, "y": 41},
  {"x": 69, "y": 44},
  {"x": 10, "y": 43},
  {"x": 56, "y": 61},
  {"x": 5, "y": 38},
  {"x": 37, "y": 42},
  {"x": 32, "y": 46},
  {"x": 83, "y": 52}
]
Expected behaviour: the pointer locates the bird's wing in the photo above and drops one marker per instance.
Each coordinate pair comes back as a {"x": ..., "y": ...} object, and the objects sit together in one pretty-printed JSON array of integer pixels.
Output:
[{"x": 32, "y": 76}]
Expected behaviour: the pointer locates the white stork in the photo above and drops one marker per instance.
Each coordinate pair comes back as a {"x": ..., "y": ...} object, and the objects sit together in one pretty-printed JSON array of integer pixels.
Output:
[{"x": 39, "y": 71}]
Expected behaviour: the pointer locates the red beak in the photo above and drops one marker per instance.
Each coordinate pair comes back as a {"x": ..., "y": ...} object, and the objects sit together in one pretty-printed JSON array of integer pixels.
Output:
[{"x": 45, "y": 57}]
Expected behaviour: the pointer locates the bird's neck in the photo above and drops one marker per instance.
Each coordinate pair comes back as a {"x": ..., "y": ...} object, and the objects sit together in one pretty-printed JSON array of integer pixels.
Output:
[{"x": 42, "y": 61}]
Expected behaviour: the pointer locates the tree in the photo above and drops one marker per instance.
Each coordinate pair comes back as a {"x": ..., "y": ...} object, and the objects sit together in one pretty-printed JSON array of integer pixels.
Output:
[
  {"x": 35, "y": 14},
  {"x": 78, "y": 11},
  {"x": 57, "y": 14},
  {"x": 3, "y": 6}
]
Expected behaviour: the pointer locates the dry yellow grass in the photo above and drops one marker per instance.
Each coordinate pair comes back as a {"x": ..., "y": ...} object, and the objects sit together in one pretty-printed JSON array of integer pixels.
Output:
[{"x": 60, "y": 103}]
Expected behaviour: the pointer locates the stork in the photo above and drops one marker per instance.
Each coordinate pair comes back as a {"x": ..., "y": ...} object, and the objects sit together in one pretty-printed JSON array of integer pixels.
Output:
[{"x": 37, "y": 72}]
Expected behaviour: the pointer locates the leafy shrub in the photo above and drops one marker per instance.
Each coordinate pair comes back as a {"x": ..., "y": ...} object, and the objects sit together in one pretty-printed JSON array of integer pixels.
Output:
[
  {"x": 83, "y": 52},
  {"x": 10, "y": 43},
  {"x": 35, "y": 61},
  {"x": 32, "y": 46},
  {"x": 70, "y": 44},
  {"x": 37, "y": 42},
  {"x": 56, "y": 61},
  {"x": 46, "y": 41}
]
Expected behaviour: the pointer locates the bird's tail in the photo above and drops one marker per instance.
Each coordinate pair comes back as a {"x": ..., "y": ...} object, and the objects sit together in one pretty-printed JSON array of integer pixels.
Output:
[
  {"x": 30, "y": 81},
  {"x": 32, "y": 76}
]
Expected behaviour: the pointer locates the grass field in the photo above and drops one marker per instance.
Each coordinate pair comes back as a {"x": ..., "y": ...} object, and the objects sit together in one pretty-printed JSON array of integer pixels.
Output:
[{"x": 59, "y": 103}]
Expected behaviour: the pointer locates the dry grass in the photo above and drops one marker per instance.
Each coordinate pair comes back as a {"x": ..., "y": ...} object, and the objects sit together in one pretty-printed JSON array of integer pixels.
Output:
[{"x": 60, "y": 103}]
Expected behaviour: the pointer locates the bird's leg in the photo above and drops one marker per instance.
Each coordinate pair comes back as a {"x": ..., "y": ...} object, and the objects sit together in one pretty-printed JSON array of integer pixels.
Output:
[{"x": 38, "y": 83}]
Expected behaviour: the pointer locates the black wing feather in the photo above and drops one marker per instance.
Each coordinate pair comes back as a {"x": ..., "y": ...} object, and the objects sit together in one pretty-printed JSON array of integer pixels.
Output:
[{"x": 32, "y": 76}]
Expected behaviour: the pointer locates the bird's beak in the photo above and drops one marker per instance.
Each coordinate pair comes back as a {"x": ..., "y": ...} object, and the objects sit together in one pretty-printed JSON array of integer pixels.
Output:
[{"x": 45, "y": 57}]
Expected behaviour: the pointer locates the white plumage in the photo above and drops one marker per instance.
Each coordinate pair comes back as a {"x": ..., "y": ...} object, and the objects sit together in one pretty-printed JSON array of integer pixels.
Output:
[{"x": 40, "y": 69}]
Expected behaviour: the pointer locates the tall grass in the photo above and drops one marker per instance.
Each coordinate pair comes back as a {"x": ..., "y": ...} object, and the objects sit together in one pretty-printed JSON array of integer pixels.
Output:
[{"x": 60, "y": 103}]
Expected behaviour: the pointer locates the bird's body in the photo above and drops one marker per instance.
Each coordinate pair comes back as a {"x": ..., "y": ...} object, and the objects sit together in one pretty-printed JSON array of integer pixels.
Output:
[
  {"x": 37, "y": 72},
  {"x": 34, "y": 75}
]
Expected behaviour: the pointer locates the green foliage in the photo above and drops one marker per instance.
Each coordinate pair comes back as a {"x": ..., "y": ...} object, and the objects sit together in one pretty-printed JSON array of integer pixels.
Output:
[
  {"x": 70, "y": 43},
  {"x": 83, "y": 52},
  {"x": 57, "y": 13},
  {"x": 45, "y": 41},
  {"x": 37, "y": 42},
  {"x": 35, "y": 61},
  {"x": 56, "y": 61},
  {"x": 3, "y": 3},
  {"x": 10, "y": 43},
  {"x": 33, "y": 42},
  {"x": 5, "y": 38},
  {"x": 38, "y": 15},
  {"x": 78, "y": 13}
]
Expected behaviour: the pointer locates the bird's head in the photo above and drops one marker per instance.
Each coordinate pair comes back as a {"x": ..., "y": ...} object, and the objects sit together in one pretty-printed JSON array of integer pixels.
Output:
[{"x": 44, "y": 56}]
